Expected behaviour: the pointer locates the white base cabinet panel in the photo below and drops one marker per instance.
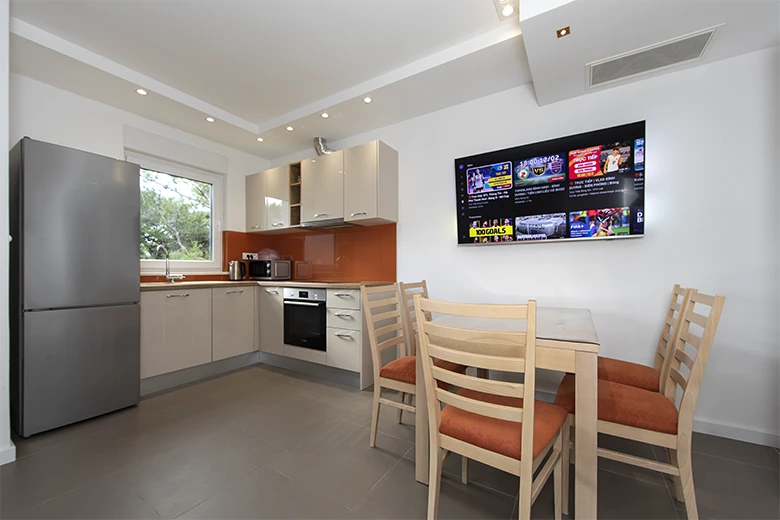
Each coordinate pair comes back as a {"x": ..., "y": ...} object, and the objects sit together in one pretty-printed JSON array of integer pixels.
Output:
[
  {"x": 270, "y": 320},
  {"x": 344, "y": 349},
  {"x": 233, "y": 322}
]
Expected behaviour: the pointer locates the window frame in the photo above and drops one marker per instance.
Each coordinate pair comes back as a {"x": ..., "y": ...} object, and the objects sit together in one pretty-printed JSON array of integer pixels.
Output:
[{"x": 217, "y": 181}]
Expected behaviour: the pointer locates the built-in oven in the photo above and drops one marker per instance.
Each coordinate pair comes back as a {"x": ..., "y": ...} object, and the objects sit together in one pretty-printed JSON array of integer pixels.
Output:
[{"x": 305, "y": 318}]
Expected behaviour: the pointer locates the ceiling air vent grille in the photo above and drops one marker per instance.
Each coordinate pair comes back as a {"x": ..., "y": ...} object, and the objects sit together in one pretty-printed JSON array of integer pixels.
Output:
[{"x": 650, "y": 59}]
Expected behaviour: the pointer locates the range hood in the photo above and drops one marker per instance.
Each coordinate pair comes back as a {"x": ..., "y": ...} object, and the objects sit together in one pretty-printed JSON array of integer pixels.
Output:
[{"x": 331, "y": 223}]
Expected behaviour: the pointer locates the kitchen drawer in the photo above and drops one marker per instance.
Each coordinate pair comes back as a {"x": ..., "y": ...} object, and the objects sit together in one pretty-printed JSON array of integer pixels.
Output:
[
  {"x": 344, "y": 298},
  {"x": 344, "y": 349},
  {"x": 345, "y": 319},
  {"x": 305, "y": 354}
]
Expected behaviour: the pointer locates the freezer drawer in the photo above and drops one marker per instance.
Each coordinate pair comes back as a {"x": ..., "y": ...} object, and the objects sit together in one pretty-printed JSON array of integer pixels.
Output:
[{"x": 79, "y": 363}]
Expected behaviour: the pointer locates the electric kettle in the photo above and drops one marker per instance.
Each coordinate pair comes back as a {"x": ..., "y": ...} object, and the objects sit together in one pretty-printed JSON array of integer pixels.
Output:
[{"x": 237, "y": 270}]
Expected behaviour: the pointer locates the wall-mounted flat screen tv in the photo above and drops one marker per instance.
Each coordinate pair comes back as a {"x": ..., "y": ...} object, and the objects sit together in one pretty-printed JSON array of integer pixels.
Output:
[{"x": 581, "y": 187}]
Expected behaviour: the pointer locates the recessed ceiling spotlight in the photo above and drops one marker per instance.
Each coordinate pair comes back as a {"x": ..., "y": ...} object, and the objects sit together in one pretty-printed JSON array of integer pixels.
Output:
[
  {"x": 367, "y": 100},
  {"x": 290, "y": 129},
  {"x": 141, "y": 91},
  {"x": 325, "y": 115},
  {"x": 259, "y": 139},
  {"x": 565, "y": 31},
  {"x": 507, "y": 10},
  {"x": 210, "y": 119}
]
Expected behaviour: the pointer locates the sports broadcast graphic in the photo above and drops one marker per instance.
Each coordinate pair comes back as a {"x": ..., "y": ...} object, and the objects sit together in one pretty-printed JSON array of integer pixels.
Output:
[
  {"x": 541, "y": 227},
  {"x": 616, "y": 158},
  {"x": 600, "y": 223},
  {"x": 491, "y": 230},
  {"x": 548, "y": 168},
  {"x": 489, "y": 178}
]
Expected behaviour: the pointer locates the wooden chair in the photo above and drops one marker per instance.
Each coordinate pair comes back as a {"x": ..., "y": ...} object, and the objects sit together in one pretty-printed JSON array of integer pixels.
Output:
[
  {"x": 484, "y": 420},
  {"x": 384, "y": 323},
  {"x": 408, "y": 292},
  {"x": 641, "y": 376},
  {"x": 652, "y": 417}
]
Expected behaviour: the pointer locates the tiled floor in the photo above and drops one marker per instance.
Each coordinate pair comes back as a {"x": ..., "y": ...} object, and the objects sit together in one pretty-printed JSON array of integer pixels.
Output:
[{"x": 264, "y": 443}]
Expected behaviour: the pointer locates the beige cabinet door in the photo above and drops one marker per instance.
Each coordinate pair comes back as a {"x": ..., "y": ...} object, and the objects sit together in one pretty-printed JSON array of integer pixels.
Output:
[
  {"x": 343, "y": 349},
  {"x": 277, "y": 197},
  {"x": 322, "y": 187},
  {"x": 233, "y": 321},
  {"x": 270, "y": 319},
  {"x": 175, "y": 330},
  {"x": 255, "y": 203},
  {"x": 360, "y": 182}
]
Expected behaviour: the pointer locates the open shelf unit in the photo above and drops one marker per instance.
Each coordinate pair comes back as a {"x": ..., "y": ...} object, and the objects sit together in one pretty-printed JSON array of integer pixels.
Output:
[{"x": 295, "y": 194}]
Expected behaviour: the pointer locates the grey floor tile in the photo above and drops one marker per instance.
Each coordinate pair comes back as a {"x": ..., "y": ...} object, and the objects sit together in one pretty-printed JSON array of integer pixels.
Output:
[
  {"x": 544, "y": 506},
  {"x": 52, "y": 472},
  {"x": 729, "y": 489},
  {"x": 632, "y": 448},
  {"x": 482, "y": 475},
  {"x": 622, "y": 497},
  {"x": 181, "y": 478},
  {"x": 399, "y": 495},
  {"x": 265, "y": 493},
  {"x": 105, "y": 497},
  {"x": 755, "y": 454},
  {"x": 388, "y": 420},
  {"x": 336, "y": 461}
]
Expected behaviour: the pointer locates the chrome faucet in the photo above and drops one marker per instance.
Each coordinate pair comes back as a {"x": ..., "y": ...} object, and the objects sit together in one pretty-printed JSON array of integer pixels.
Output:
[{"x": 168, "y": 276}]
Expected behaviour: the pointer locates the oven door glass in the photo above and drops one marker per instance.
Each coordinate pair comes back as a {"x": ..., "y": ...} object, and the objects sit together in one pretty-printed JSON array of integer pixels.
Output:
[{"x": 304, "y": 324}]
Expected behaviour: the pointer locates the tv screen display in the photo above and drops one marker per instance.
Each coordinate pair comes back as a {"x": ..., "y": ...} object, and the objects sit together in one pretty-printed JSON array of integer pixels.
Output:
[{"x": 584, "y": 186}]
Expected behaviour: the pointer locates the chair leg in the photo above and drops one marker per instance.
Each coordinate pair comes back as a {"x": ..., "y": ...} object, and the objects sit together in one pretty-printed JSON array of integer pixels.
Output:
[
  {"x": 683, "y": 457},
  {"x": 464, "y": 469},
  {"x": 374, "y": 415},
  {"x": 400, "y": 411},
  {"x": 434, "y": 481},
  {"x": 678, "y": 491},
  {"x": 565, "y": 469},
  {"x": 558, "y": 472}
]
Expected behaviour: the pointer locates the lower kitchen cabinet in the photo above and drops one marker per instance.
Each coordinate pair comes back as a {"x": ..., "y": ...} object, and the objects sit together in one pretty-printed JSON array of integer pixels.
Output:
[
  {"x": 233, "y": 321},
  {"x": 175, "y": 330},
  {"x": 344, "y": 349},
  {"x": 270, "y": 319}
]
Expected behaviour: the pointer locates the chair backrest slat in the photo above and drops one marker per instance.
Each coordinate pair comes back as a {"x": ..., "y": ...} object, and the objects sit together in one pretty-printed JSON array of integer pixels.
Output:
[
  {"x": 478, "y": 384},
  {"x": 383, "y": 315},
  {"x": 696, "y": 318},
  {"x": 676, "y": 376},
  {"x": 670, "y": 324},
  {"x": 497, "y": 411},
  {"x": 684, "y": 358},
  {"x": 471, "y": 359},
  {"x": 688, "y": 337},
  {"x": 408, "y": 292},
  {"x": 382, "y": 345}
]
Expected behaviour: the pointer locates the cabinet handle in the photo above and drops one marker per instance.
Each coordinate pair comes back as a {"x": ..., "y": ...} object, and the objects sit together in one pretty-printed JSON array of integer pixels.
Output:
[
  {"x": 343, "y": 295},
  {"x": 359, "y": 213},
  {"x": 257, "y": 227},
  {"x": 343, "y": 335},
  {"x": 317, "y": 215},
  {"x": 272, "y": 291},
  {"x": 277, "y": 224},
  {"x": 182, "y": 295},
  {"x": 342, "y": 315},
  {"x": 235, "y": 292}
]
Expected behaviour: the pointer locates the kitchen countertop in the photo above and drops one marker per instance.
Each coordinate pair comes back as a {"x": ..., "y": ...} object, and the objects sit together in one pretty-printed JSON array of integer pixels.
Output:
[{"x": 163, "y": 286}]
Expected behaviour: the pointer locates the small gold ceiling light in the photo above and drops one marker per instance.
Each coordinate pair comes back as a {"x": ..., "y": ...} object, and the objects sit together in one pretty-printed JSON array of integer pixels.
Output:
[{"x": 564, "y": 31}]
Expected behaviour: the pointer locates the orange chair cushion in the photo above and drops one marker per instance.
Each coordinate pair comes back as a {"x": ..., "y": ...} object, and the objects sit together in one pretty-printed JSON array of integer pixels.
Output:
[
  {"x": 403, "y": 369},
  {"x": 627, "y": 405},
  {"x": 627, "y": 373},
  {"x": 497, "y": 435}
]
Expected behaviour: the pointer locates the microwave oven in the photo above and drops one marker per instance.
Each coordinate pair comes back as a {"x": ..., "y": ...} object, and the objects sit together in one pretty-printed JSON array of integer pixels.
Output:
[{"x": 268, "y": 269}]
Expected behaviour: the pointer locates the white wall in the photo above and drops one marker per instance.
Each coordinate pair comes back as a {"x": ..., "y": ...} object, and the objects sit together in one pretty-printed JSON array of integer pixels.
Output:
[
  {"x": 46, "y": 113},
  {"x": 711, "y": 198},
  {"x": 7, "y": 450}
]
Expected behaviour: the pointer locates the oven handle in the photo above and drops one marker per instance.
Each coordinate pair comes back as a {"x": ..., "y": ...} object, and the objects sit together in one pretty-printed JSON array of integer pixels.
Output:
[{"x": 305, "y": 304}]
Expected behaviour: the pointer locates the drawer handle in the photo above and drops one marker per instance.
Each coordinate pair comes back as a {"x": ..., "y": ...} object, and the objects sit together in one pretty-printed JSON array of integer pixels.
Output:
[
  {"x": 343, "y": 295},
  {"x": 318, "y": 215},
  {"x": 272, "y": 291},
  {"x": 257, "y": 227},
  {"x": 182, "y": 295},
  {"x": 343, "y": 335},
  {"x": 359, "y": 213},
  {"x": 277, "y": 224},
  {"x": 342, "y": 315},
  {"x": 235, "y": 292}
]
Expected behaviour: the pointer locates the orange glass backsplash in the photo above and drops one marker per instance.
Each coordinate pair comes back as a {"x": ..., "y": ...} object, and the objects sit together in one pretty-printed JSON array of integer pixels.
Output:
[{"x": 354, "y": 254}]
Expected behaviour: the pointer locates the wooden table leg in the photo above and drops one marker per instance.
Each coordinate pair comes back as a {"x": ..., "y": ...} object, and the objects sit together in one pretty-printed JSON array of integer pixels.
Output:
[
  {"x": 421, "y": 428},
  {"x": 586, "y": 435}
]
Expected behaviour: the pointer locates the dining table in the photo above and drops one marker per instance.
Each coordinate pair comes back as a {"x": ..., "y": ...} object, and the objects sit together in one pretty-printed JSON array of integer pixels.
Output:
[{"x": 566, "y": 341}]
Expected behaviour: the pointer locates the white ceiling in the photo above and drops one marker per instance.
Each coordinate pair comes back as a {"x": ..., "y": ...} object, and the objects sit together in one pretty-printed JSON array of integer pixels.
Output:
[
  {"x": 258, "y": 66},
  {"x": 261, "y": 59}
]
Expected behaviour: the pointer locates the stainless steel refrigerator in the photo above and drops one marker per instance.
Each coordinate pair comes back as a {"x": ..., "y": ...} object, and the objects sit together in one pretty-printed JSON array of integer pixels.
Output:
[{"x": 74, "y": 285}]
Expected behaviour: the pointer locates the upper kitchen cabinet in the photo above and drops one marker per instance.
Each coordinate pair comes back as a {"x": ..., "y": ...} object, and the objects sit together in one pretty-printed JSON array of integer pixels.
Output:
[
  {"x": 277, "y": 197},
  {"x": 371, "y": 184},
  {"x": 322, "y": 188},
  {"x": 255, "y": 202}
]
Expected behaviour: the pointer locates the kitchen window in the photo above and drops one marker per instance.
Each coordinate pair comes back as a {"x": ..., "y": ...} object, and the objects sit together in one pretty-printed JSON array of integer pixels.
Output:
[{"x": 181, "y": 212}]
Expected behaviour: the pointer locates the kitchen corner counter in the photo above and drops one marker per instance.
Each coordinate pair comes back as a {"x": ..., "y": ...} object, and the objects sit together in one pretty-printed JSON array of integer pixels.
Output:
[{"x": 166, "y": 286}]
